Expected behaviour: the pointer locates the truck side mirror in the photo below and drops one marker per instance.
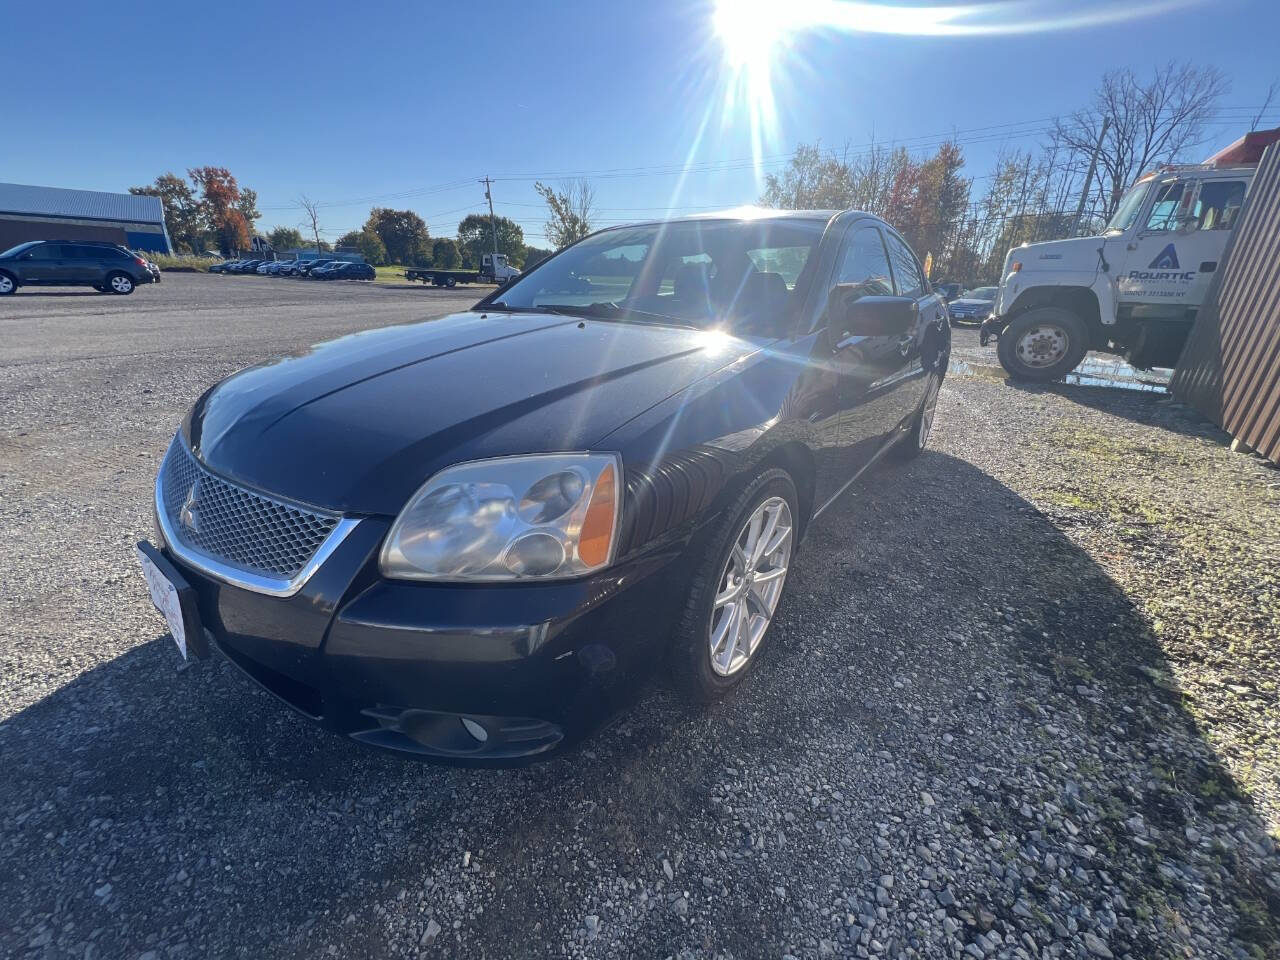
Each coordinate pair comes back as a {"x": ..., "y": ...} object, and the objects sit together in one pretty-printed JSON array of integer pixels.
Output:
[{"x": 853, "y": 315}]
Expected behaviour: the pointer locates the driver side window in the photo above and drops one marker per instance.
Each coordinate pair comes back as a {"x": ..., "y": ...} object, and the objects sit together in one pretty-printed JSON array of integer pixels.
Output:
[
  {"x": 1164, "y": 212},
  {"x": 865, "y": 265}
]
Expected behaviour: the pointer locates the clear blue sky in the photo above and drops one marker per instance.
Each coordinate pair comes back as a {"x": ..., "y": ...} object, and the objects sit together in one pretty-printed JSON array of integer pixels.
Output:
[{"x": 405, "y": 104}]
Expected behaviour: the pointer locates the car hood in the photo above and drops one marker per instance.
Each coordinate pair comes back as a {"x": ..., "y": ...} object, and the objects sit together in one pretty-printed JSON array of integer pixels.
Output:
[{"x": 358, "y": 424}]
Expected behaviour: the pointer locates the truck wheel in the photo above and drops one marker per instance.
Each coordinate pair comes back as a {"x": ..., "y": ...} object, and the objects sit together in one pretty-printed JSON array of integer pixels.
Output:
[
  {"x": 450, "y": 282},
  {"x": 1043, "y": 345}
]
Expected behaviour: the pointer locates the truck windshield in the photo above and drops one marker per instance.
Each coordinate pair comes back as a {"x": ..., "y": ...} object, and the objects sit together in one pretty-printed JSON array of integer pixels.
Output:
[
  {"x": 1127, "y": 212},
  {"x": 742, "y": 274}
]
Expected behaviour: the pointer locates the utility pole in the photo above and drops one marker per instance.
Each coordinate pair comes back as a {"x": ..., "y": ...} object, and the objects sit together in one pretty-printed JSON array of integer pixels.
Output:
[
  {"x": 1088, "y": 177},
  {"x": 493, "y": 223}
]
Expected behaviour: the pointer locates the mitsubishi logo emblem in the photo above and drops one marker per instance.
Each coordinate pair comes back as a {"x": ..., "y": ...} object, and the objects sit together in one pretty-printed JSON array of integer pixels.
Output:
[{"x": 189, "y": 515}]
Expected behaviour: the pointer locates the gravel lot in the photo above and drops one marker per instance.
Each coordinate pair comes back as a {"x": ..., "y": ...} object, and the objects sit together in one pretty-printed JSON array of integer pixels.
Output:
[{"x": 1021, "y": 702}]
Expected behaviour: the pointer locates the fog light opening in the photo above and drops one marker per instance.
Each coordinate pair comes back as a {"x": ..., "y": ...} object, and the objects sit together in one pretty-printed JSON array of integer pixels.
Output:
[{"x": 476, "y": 731}]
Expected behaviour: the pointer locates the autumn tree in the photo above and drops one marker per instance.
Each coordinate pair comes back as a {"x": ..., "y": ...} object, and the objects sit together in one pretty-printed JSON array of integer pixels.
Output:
[
  {"x": 220, "y": 195},
  {"x": 569, "y": 211},
  {"x": 184, "y": 216}
]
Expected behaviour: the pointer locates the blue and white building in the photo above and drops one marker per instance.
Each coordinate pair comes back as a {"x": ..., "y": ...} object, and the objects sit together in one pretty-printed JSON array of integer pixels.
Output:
[{"x": 53, "y": 213}]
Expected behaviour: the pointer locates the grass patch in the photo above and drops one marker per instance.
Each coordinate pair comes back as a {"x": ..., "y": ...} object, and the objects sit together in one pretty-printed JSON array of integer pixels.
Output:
[{"x": 168, "y": 264}]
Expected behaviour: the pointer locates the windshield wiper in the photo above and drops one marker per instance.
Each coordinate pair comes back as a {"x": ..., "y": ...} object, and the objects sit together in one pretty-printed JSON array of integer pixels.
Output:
[{"x": 608, "y": 310}]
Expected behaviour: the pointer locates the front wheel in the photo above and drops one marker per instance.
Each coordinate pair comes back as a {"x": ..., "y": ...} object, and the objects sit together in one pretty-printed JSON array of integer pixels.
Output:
[
  {"x": 7, "y": 284},
  {"x": 736, "y": 589},
  {"x": 120, "y": 283},
  {"x": 917, "y": 438},
  {"x": 1043, "y": 345}
]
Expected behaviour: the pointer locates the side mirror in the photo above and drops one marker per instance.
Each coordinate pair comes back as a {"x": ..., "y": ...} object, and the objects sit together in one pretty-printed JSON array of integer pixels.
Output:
[{"x": 853, "y": 315}]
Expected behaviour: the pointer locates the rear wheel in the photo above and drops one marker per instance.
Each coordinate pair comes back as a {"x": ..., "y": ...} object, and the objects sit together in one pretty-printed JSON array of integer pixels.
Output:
[
  {"x": 451, "y": 282},
  {"x": 120, "y": 283},
  {"x": 736, "y": 589},
  {"x": 1043, "y": 344},
  {"x": 7, "y": 284}
]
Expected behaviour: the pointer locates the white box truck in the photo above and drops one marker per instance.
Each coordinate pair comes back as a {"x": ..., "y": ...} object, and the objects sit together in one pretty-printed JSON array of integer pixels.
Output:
[{"x": 1134, "y": 290}]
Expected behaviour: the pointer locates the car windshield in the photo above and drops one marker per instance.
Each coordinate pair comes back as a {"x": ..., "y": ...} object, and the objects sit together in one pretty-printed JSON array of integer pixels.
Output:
[
  {"x": 1127, "y": 212},
  {"x": 14, "y": 251},
  {"x": 738, "y": 273},
  {"x": 979, "y": 293}
]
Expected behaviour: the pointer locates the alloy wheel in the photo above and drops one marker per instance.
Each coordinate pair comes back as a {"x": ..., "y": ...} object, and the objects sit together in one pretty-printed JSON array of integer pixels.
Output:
[
  {"x": 1043, "y": 345},
  {"x": 750, "y": 586},
  {"x": 121, "y": 284},
  {"x": 6, "y": 284}
]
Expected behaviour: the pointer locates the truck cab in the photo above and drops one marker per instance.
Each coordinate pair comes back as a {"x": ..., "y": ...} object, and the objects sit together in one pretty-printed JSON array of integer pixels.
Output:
[
  {"x": 494, "y": 266},
  {"x": 1134, "y": 290}
]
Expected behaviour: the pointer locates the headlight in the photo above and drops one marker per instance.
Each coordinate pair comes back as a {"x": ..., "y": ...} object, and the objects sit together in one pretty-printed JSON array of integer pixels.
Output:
[{"x": 543, "y": 516}]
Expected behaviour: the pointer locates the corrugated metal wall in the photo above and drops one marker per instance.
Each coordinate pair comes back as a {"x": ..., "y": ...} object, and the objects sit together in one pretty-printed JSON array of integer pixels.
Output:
[{"x": 1230, "y": 367}]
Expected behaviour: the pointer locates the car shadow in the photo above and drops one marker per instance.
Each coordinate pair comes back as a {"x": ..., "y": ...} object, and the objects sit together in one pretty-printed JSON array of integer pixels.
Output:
[{"x": 939, "y": 634}]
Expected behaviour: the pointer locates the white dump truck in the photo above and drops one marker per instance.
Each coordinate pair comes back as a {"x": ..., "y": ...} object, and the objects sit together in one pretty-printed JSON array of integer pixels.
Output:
[{"x": 1134, "y": 290}]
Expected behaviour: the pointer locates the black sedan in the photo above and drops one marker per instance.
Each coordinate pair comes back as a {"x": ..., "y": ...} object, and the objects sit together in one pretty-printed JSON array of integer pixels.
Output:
[{"x": 470, "y": 539}]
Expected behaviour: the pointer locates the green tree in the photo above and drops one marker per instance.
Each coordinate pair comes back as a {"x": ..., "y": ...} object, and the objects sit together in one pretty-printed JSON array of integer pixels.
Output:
[
  {"x": 534, "y": 255},
  {"x": 184, "y": 215},
  {"x": 569, "y": 211},
  {"x": 403, "y": 233},
  {"x": 248, "y": 206},
  {"x": 475, "y": 237},
  {"x": 285, "y": 238},
  {"x": 367, "y": 242},
  {"x": 444, "y": 254}
]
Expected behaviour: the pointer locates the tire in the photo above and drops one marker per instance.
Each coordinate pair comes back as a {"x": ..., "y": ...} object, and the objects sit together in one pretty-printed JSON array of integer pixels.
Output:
[
  {"x": 101, "y": 289},
  {"x": 451, "y": 282},
  {"x": 1043, "y": 344},
  {"x": 120, "y": 283},
  {"x": 700, "y": 672},
  {"x": 913, "y": 442},
  {"x": 7, "y": 284}
]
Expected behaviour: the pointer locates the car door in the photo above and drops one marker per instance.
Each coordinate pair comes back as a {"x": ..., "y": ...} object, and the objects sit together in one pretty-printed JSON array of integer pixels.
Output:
[
  {"x": 866, "y": 364},
  {"x": 906, "y": 384},
  {"x": 82, "y": 264},
  {"x": 42, "y": 264}
]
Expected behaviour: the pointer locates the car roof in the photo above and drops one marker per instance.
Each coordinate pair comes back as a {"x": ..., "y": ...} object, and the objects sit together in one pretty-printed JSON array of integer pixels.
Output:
[{"x": 747, "y": 213}]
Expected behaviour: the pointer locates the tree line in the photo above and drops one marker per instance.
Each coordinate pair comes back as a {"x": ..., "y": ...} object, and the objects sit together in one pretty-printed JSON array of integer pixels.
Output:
[
  {"x": 212, "y": 212},
  {"x": 965, "y": 231}
]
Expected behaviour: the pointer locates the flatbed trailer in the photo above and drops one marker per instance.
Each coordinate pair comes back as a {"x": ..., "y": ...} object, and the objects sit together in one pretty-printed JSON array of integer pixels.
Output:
[{"x": 445, "y": 278}]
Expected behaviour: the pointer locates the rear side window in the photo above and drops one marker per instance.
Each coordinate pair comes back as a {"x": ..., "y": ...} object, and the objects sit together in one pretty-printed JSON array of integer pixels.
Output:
[
  {"x": 46, "y": 251},
  {"x": 906, "y": 270}
]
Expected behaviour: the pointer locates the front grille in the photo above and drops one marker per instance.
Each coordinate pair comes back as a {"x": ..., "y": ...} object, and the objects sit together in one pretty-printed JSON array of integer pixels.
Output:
[{"x": 234, "y": 526}]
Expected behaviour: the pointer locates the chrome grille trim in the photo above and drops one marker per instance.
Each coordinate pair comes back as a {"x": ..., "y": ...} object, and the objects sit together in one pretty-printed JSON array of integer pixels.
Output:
[{"x": 258, "y": 542}]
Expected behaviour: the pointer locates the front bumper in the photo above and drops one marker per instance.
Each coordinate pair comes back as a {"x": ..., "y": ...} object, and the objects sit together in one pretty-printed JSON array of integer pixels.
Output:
[
  {"x": 991, "y": 329},
  {"x": 457, "y": 673}
]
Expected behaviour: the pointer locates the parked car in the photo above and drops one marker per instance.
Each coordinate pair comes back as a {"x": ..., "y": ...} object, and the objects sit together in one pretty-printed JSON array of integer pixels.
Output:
[
  {"x": 306, "y": 266},
  {"x": 245, "y": 266},
  {"x": 328, "y": 271},
  {"x": 106, "y": 267},
  {"x": 973, "y": 306},
  {"x": 470, "y": 539},
  {"x": 282, "y": 268},
  {"x": 354, "y": 271},
  {"x": 263, "y": 268},
  {"x": 223, "y": 266}
]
